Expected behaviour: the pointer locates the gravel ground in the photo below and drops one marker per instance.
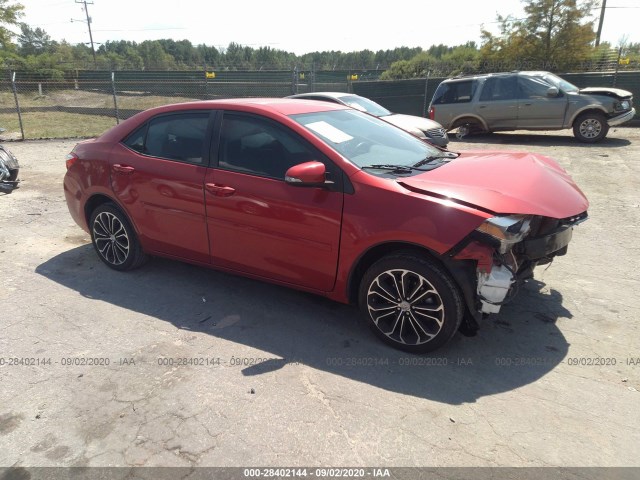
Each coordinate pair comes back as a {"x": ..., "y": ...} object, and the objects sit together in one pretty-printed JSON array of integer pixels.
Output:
[{"x": 286, "y": 378}]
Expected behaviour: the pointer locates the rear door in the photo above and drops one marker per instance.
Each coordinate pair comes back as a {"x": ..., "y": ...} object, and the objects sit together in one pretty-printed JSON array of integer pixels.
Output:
[
  {"x": 260, "y": 225},
  {"x": 157, "y": 174},
  {"x": 498, "y": 102},
  {"x": 535, "y": 108}
]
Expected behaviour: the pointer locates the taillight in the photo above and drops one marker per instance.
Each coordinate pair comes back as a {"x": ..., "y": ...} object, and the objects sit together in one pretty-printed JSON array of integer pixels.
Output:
[
  {"x": 70, "y": 159},
  {"x": 432, "y": 113}
]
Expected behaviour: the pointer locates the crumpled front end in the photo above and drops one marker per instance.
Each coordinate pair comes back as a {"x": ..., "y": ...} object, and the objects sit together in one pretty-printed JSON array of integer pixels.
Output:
[{"x": 507, "y": 248}]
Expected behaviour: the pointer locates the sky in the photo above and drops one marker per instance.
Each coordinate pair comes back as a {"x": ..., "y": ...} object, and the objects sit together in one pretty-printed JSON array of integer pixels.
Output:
[{"x": 346, "y": 25}]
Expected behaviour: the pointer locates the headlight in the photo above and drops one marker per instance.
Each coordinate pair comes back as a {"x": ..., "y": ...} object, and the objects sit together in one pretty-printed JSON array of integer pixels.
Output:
[
  {"x": 621, "y": 106},
  {"x": 507, "y": 230}
]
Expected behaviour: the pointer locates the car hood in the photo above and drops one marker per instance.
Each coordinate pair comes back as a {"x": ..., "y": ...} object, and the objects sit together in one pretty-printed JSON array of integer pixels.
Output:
[
  {"x": 504, "y": 183},
  {"x": 411, "y": 121},
  {"x": 609, "y": 92}
]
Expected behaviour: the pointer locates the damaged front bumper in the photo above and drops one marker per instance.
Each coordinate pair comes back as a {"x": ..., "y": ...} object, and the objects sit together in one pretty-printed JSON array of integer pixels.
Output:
[
  {"x": 620, "y": 119},
  {"x": 505, "y": 261}
]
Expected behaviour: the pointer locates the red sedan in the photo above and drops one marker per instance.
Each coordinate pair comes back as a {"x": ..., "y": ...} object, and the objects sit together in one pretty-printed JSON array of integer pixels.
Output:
[{"x": 326, "y": 199}]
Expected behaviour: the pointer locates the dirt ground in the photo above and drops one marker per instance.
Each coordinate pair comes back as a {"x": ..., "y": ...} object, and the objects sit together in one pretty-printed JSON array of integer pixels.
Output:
[{"x": 92, "y": 370}]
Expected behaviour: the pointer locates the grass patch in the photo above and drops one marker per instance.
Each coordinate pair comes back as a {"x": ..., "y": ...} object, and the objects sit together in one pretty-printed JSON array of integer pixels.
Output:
[
  {"x": 64, "y": 124},
  {"x": 84, "y": 98},
  {"x": 55, "y": 125}
]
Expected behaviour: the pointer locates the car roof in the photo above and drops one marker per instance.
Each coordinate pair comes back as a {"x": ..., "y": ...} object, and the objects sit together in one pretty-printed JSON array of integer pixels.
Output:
[
  {"x": 471, "y": 76},
  {"x": 273, "y": 107},
  {"x": 283, "y": 106}
]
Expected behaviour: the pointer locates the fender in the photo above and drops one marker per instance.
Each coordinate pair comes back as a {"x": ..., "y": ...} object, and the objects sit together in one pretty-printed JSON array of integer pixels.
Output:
[{"x": 593, "y": 106}]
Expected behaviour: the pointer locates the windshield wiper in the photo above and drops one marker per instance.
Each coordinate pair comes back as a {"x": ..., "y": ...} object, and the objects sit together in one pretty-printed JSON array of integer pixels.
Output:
[
  {"x": 432, "y": 158},
  {"x": 395, "y": 168}
]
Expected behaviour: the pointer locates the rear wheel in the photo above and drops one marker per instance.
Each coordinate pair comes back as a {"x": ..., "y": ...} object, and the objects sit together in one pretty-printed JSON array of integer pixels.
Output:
[
  {"x": 590, "y": 127},
  {"x": 468, "y": 126},
  {"x": 114, "y": 238},
  {"x": 410, "y": 303}
]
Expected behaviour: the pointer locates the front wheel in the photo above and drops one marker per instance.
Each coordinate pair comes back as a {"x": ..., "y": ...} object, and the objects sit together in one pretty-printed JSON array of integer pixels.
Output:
[
  {"x": 410, "y": 303},
  {"x": 114, "y": 239},
  {"x": 590, "y": 127}
]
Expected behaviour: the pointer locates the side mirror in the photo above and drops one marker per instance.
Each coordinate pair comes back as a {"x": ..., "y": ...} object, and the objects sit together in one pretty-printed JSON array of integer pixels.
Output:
[
  {"x": 552, "y": 92},
  {"x": 308, "y": 174}
]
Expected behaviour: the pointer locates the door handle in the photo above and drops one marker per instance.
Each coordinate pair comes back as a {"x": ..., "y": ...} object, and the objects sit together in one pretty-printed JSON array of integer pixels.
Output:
[
  {"x": 220, "y": 190},
  {"x": 123, "y": 168},
  {"x": 527, "y": 104},
  {"x": 482, "y": 106}
]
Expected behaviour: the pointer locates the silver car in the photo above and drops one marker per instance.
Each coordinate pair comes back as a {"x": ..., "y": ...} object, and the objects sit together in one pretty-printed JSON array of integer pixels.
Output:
[
  {"x": 528, "y": 101},
  {"x": 422, "y": 128}
]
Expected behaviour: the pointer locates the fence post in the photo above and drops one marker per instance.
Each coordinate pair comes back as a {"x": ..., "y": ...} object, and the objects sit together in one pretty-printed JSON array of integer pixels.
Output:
[
  {"x": 615, "y": 75},
  {"x": 15, "y": 96},
  {"x": 206, "y": 81},
  {"x": 294, "y": 81},
  {"x": 426, "y": 95},
  {"x": 115, "y": 96}
]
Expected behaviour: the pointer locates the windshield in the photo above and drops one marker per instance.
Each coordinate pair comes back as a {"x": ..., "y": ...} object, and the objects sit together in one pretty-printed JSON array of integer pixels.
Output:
[
  {"x": 560, "y": 83},
  {"x": 365, "y": 105},
  {"x": 365, "y": 140}
]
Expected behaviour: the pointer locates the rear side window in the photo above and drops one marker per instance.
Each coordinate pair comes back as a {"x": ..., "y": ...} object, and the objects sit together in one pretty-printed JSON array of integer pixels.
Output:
[
  {"x": 178, "y": 137},
  {"x": 455, "y": 92}
]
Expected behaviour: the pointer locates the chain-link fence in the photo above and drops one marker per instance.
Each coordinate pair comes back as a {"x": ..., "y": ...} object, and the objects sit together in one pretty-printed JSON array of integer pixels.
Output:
[{"x": 86, "y": 103}]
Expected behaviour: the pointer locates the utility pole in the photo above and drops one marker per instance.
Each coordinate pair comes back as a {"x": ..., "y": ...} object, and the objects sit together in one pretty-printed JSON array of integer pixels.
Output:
[
  {"x": 604, "y": 6},
  {"x": 86, "y": 11}
]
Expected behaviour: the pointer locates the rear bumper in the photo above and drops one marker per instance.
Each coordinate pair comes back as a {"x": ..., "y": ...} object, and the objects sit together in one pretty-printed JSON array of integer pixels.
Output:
[{"x": 620, "y": 119}]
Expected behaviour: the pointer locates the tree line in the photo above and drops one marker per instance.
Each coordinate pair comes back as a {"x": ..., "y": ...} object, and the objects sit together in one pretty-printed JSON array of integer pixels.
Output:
[{"x": 554, "y": 35}]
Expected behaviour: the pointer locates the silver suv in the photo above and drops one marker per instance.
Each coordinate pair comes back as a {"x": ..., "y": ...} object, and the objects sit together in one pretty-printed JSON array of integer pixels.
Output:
[{"x": 528, "y": 101}]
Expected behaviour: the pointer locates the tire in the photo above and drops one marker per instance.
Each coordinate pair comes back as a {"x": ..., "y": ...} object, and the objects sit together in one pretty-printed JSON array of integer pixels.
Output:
[
  {"x": 466, "y": 127},
  {"x": 114, "y": 239},
  {"x": 590, "y": 127},
  {"x": 425, "y": 312}
]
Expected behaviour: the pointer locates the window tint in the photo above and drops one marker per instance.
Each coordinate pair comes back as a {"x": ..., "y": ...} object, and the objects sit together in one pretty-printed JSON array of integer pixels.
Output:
[
  {"x": 499, "y": 88},
  {"x": 257, "y": 146},
  {"x": 175, "y": 137},
  {"x": 533, "y": 87},
  {"x": 455, "y": 92},
  {"x": 135, "y": 141}
]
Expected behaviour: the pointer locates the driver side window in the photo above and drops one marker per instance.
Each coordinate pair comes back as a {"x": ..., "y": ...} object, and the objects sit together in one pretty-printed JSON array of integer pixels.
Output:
[
  {"x": 532, "y": 87},
  {"x": 256, "y": 146}
]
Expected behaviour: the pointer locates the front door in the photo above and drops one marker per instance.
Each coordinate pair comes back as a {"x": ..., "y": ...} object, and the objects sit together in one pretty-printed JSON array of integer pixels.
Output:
[
  {"x": 260, "y": 225},
  {"x": 535, "y": 108}
]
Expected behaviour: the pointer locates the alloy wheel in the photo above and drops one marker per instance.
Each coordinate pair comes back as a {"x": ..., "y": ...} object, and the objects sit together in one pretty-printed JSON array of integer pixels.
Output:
[
  {"x": 405, "y": 307},
  {"x": 111, "y": 239}
]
